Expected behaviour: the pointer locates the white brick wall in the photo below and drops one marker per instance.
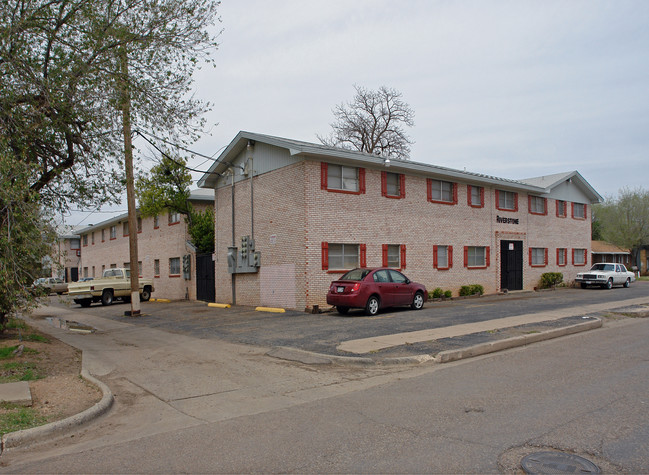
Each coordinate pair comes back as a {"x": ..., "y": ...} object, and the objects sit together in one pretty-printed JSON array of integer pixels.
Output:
[{"x": 294, "y": 216}]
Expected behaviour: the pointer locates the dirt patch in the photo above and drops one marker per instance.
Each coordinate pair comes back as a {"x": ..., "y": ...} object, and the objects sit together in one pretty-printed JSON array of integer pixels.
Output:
[{"x": 58, "y": 390}]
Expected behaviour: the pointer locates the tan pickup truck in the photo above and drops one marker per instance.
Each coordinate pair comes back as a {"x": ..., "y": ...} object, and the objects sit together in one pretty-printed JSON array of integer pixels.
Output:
[{"x": 114, "y": 284}]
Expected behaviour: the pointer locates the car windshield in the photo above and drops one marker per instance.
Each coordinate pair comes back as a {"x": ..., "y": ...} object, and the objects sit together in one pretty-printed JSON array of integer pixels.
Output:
[
  {"x": 604, "y": 267},
  {"x": 356, "y": 274}
]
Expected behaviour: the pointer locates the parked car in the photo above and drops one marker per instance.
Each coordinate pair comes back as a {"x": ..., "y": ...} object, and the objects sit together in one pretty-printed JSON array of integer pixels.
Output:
[
  {"x": 115, "y": 283},
  {"x": 374, "y": 289},
  {"x": 606, "y": 275},
  {"x": 52, "y": 285}
]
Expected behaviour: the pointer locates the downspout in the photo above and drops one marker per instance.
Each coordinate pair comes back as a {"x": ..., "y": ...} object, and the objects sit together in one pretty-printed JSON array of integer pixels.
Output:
[{"x": 234, "y": 281}]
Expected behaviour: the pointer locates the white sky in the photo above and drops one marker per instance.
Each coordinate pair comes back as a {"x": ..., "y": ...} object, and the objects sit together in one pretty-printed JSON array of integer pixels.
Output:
[{"x": 512, "y": 88}]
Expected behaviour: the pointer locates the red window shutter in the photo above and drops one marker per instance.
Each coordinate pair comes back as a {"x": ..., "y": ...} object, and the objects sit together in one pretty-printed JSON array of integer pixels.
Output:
[
  {"x": 497, "y": 199},
  {"x": 466, "y": 256},
  {"x": 428, "y": 189},
  {"x": 585, "y": 211},
  {"x": 363, "y": 255},
  {"x": 545, "y": 262},
  {"x": 557, "y": 256},
  {"x": 572, "y": 210},
  {"x": 468, "y": 195},
  {"x": 384, "y": 184},
  {"x": 454, "y": 193},
  {"x": 515, "y": 201},
  {"x": 403, "y": 256},
  {"x": 450, "y": 256},
  {"x": 585, "y": 256},
  {"x": 361, "y": 180},
  {"x": 545, "y": 206},
  {"x": 487, "y": 259},
  {"x": 325, "y": 256},
  {"x": 482, "y": 196},
  {"x": 323, "y": 176},
  {"x": 385, "y": 255},
  {"x": 573, "y": 257},
  {"x": 530, "y": 255},
  {"x": 402, "y": 185},
  {"x": 435, "y": 256}
]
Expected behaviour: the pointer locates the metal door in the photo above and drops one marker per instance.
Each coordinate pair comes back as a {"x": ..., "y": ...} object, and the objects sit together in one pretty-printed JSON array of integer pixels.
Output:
[
  {"x": 511, "y": 265},
  {"x": 205, "y": 289}
]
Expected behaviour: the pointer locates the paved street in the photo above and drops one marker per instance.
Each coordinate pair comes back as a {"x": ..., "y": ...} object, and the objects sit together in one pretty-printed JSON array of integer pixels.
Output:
[{"x": 187, "y": 402}]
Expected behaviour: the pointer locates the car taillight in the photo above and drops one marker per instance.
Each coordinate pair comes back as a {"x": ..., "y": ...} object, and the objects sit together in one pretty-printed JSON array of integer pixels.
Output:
[
  {"x": 356, "y": 286},
  {"x": 92, "y": 287}
]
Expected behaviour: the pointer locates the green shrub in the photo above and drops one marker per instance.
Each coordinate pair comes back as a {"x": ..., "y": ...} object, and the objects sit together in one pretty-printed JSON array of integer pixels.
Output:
[
  {"x": 437, "y": 293},
  {"x": 551, "y": 279},
  {"x": 448, "y": 294},
  {"x": 467, "y": 290}
]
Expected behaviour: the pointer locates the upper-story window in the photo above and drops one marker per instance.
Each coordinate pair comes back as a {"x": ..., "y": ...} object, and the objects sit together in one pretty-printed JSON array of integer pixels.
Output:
[
  {"x": 139, "y": 224},
  {"x": 537, "y": 205},
  {"x": 506, "y": 200},
  {"x": 561, "y": 209},
  {"x": 442, "y": 191},
  {"x": 393, "y": 185},
  {"x": 475, "y": 196},
  {"x": 113, "y": 232},
  {"x": 103, "y": 235},
  {"x": 125, "y": 229},
  {"x": 75, "y": 244},
  {"x": 579, "y": 211},
  {"x": 342, "y": 179},
  {"x": 174, "y": 217},
  {"x": 85, "y": 239},
  {"x": 92, "y": 238}
]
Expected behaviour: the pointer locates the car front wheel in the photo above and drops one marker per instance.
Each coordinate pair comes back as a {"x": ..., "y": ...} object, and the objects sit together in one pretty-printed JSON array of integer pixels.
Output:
[
  {"x": 609, "y": 284},
  {"x": 627, "y": 282},
  {"x": 372, "y": 306},
  {"x": 418, "y": 301}
]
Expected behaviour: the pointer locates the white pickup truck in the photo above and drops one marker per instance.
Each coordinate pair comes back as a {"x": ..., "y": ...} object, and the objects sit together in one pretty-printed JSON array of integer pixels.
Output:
[{"x": 114, "y": 283}]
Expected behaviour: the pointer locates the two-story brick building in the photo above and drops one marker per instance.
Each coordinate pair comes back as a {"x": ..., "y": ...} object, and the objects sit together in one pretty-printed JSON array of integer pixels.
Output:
[
  {"x": 315, "y": 211},
  {"x": 163, "y": 244}
]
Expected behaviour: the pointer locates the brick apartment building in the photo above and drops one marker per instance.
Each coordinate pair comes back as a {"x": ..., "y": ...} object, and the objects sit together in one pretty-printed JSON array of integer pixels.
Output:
[
  {"x": 315, "y": 211},
  {"x": 66, "y": 254},
  {"x": 163, "y": 244}
]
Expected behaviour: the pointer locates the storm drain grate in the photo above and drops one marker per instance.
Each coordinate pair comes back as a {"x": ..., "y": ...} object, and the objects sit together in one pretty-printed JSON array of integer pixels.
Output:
[{"x": 557, "y": 462}]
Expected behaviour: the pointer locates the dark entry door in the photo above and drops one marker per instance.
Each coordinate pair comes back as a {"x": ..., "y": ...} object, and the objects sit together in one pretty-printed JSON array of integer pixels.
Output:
[
  {"x": 74, "y": 274},
  {"x": 205, "y": 289},
  {"x": 511, "y": 265}
]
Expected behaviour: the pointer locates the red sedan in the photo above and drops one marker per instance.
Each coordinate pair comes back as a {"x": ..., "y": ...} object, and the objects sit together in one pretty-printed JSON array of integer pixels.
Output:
[{"x": 374, "y": 289}]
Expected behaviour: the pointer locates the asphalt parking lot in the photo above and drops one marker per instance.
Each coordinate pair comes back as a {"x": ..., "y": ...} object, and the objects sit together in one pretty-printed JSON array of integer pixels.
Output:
[{"x": 322, "y": 333}]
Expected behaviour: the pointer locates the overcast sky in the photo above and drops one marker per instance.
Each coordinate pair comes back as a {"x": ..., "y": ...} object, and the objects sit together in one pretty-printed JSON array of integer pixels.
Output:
[{"x": 514, "y": 89}]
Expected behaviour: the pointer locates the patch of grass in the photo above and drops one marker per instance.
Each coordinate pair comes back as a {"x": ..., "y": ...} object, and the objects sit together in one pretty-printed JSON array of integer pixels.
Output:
[
  {"x": 532, "y": 331},
  {"x": 18, "y": 371},
  {"x": 35, "y": 337},
  {"x": 13, "y": 418},
  {"x": 15, "y": 324},
  {"x": 6, "y": 351}
]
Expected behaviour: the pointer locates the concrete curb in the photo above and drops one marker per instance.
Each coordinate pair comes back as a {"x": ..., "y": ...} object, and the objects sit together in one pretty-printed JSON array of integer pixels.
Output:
[
  {"x": 499, "y": 345},
  {"x": 15, "y": 439},
  {"x": 309, "y": 357}
]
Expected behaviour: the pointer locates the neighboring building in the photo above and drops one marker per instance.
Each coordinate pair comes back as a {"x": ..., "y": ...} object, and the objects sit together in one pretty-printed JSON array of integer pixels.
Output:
[
  {"x": 165, "y": 253},
  {"x": 642, "y": 259},
  {"x": 66, "y": 254},
  {"x": 603, "y": 251},
  {"x": 316, "y": 211}
]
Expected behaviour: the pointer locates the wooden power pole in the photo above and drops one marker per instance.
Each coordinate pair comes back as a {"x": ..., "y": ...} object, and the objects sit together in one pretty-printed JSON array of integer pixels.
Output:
[{"x": 130, "y": 186}]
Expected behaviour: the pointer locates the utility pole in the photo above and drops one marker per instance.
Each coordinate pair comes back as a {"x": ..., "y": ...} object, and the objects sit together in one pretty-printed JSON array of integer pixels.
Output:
[{"x": 130, "y": 186}]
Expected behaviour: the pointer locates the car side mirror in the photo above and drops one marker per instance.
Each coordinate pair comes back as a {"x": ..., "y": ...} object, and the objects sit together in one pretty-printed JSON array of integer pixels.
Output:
[{"x": 407, "y": 281}]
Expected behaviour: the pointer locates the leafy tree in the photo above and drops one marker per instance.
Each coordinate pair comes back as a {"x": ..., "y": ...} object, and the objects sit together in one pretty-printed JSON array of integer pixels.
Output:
[
  {"x": 25, "y": 238},
  {"x": 373, "y": 123},
  {"x": 625, "y": 219},
  {"x": 166, "y": 187},
  {"x": 60, "y": 69}
]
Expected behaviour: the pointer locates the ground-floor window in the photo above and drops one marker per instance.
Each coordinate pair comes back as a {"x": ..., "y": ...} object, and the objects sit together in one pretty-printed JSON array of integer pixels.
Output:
[
  {"x": 561, "y": 256},
  {"x": 579, "y": 257},
  {"x": 394, "y": 255},
  {"x": 476, "y": 256},
  {"x": 156, "y": 267},
  {"x": 338, "y": 256},
  {"x": 174, "y": 266},
  {"x": 442, "y": 257},
  {"x": 538, "y": 256}
]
